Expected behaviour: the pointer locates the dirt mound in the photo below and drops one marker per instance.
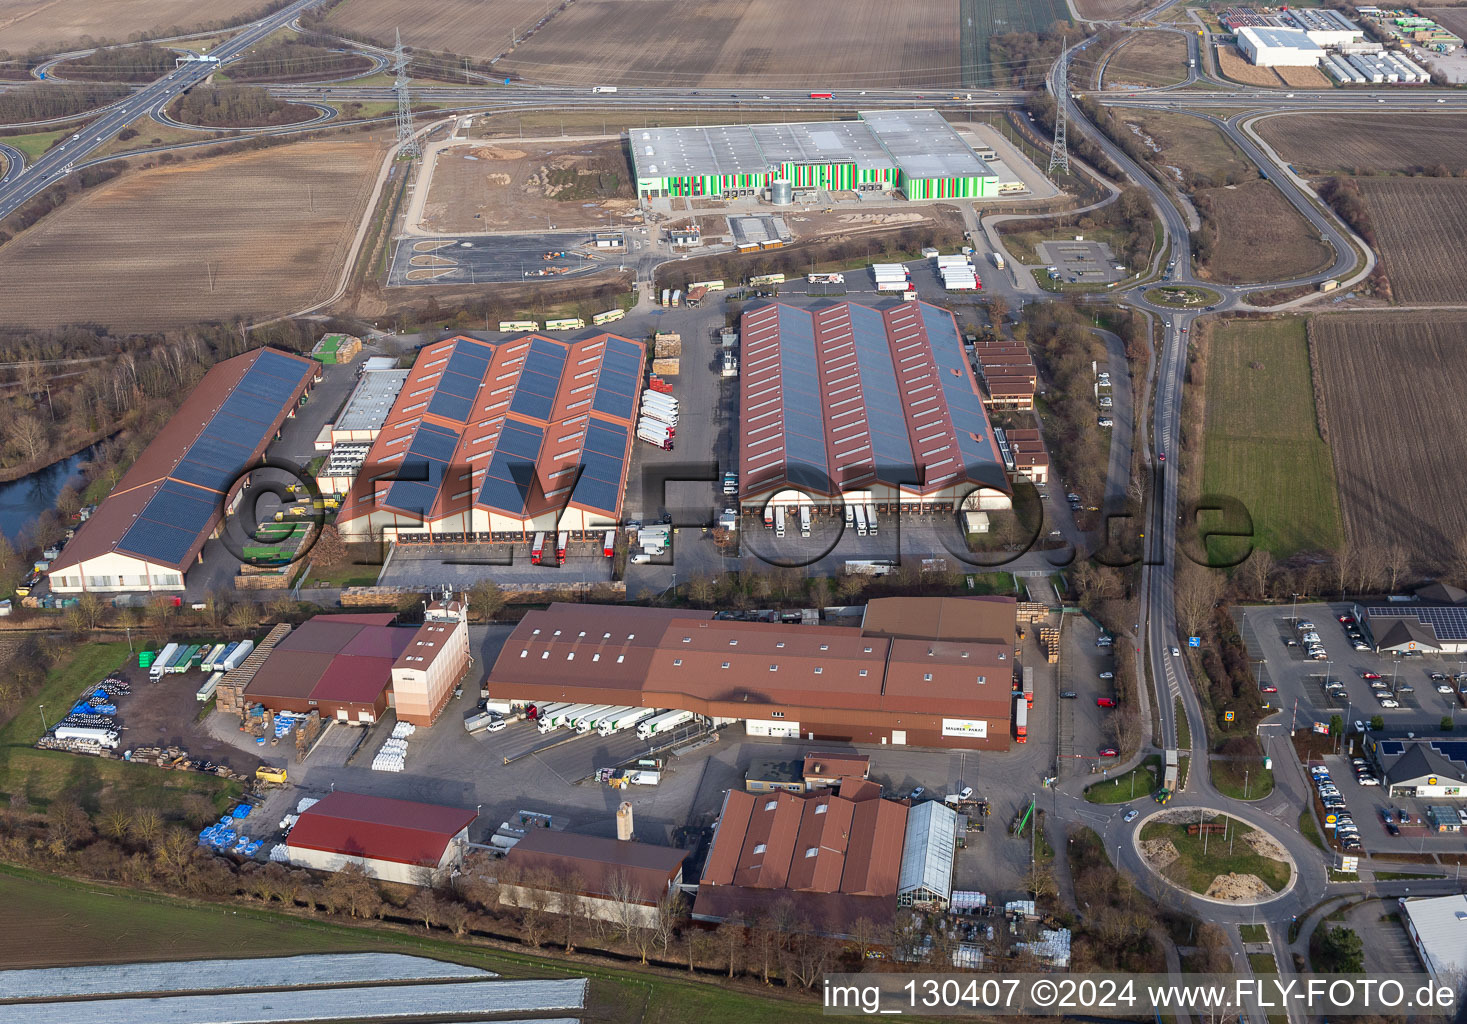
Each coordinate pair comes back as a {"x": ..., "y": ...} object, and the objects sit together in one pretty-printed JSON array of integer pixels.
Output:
[
  {"x": 1237, "y": 887},
  {"x": 1158, "y": 852},
  {"x": 1266, "y": 846},
  {"x": 497, "y": 153}
]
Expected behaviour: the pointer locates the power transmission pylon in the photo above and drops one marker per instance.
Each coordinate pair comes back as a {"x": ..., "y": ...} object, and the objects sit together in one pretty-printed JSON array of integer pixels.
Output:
[
  {"x": 1059, "y": 156},
  {"x": 407, "y": 143}
]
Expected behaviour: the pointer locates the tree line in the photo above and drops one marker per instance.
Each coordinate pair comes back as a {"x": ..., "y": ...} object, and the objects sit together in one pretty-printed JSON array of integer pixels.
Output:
[
  {"x": 296, "y": 59},
  {"x": 46, "y": 100},
  {"x": 236, "y": 106},
  {"x": 144, "y": 63}
]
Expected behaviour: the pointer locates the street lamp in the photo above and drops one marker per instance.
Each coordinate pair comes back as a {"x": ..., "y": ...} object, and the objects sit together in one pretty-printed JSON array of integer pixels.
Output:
[
  {"x": 1294, "y": 612},
  {"x": 43, "y": 718},
  {"x": 1245, "y": 783}
]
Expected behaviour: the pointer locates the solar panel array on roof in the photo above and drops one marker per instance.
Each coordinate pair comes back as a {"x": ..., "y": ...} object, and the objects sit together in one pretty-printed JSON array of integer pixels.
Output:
[
  {"x": 1452, "y": 750},
  {"x": 172, "y": 520},
  {"x": 891, "y": 447},
  {"x": 510, "y": 475},
  {"x": 1449, "y": 621},
  {"x": 602, "y": 458},
  {"x": 539, "y": 380},
  {"x": 804, "y": 422},
  {"x": 421, "y": 473},
  {"x": 616, "y": 386},
  {"x": 459, "y": 383}
]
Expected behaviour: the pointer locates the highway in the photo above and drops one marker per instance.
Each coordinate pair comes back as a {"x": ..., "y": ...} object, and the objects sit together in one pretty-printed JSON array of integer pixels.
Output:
[{"x": 54, "y": 164}]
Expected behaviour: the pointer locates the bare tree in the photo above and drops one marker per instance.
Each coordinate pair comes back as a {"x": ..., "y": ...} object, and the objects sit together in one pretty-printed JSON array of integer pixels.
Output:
[
  {"x": 1397, "y": 561},
  {"x": 1259, "y": 572},
  {"x": 423, "y": 906},
  {"x": 863, "y": 933},
  {"x": 1198, "y": 592},
  {"x": 626, "y": 906},
  {"x": 534, "y": 900},
  {"x": 351, "y": 889},
  {"x": 700, "y": 589},
  {"x": 671, "y": 909},
  {"x": 731, "y": 939},
  {"x": 1040, "y": 881},
  {"x": 807, "y": 955},
  {"x": 1342, "y": 568},
  {"x": 29, "y": 437},
  {"x": 1370, "y": 569},
  {"x": 573, "y": 909},
  {"x": 454, "y": 915},
  {"x": 116, "y": 824}
]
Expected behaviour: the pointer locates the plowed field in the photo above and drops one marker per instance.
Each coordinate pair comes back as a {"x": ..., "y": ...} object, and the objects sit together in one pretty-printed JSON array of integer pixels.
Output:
[
  {"x": 1392, "y": 405},
  {"x": 1368, "y": 143},
  {"x": 1421, "y": 229},
  {"x": 479, "y": 28},
  {"x": 833, "y": 44},
  {"x": 245, "y": 235},
  {"x": 26, "y": 24}
]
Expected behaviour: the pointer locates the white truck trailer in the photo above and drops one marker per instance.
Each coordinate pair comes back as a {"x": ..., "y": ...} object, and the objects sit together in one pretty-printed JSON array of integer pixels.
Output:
[
  {"x": 663, "y": 723},
  {"x": 624, "y": 720},
  {"x": 160, "y": 663},
  {"x": 237, "y": 658},
  {"x": 108, "y": 738}
]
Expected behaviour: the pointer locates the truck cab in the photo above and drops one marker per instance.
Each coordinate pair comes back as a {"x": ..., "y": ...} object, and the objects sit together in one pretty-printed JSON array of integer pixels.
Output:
[{"x": 537, "y": 549}]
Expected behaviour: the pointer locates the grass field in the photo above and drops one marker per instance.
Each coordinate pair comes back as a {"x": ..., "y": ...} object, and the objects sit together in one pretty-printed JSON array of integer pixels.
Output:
[
  {"x": 37, "y": 777},
  {"x": 33, "y": 146},
  {"x": 27, "y": 24},
  {"x": 1260, "y": 236},
  {"x": 1375, "y": 390},
  {"x": 1203, "y": 858},
  {"x": 1148, "y": 59},
  {"x": 1421, "y": 230},
  {"x": 1355, "y": 143},
  {"x": 1193, "y": 146},
  {"x": 1138, "y": 783},
  {"x": 1261, "y": 442},
  {"x": 249, "y": 234},
  {"x": 1253, "y": 932},
  {"x": 57, "y": 922},
  {"x": 1232, "y": 65},
  {"x": 1230, "y": 779},
  {"x": 754, "y": 43}
]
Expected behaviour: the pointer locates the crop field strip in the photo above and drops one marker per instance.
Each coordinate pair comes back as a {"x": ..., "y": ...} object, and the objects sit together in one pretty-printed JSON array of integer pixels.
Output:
[
  {"x": 249, "y": 234},
  {"x": 1453, "y": 19},
  {"x": 1262, "y": 443},
  {"x": 59, "y": 24},
  {"x": 478, "y": 28},
  {"x": 1392, "y": 397},
  {"x": 836, "y": 44},
  {"x": 1368, "y": 143},
  {"x": 1421, "y": 231}
]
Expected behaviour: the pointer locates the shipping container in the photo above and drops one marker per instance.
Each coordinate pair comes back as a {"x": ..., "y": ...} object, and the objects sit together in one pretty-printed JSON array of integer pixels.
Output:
[
  {"x": 667, "y": 297},
  {"x": 677, "y": 297}
]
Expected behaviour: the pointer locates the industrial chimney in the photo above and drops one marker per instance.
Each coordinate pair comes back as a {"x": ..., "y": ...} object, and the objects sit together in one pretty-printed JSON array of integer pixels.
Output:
[{"x": 624, "y": 821}]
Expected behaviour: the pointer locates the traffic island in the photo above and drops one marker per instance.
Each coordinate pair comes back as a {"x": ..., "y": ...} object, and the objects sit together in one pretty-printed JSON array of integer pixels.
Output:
[
  {"x": 1182, "y": 296},
  {"x": 1215, "y": 856}
]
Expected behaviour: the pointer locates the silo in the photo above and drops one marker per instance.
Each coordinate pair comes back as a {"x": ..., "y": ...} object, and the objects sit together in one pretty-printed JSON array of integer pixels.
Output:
[
  {"x": 624, "y": 821},
  {"x": 781, "y": 192}
]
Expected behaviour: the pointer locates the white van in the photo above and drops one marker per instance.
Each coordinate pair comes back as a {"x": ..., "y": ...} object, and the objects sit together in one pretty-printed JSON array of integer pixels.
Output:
[
  {"x": 860, "y": 513},
  {"x": 779, "y": 521},
  {"x": 871, "y": 518},
  {"x": 804, "y": 520}
]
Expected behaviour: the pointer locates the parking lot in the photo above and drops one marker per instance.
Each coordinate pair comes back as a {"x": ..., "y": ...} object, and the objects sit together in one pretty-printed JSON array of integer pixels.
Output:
[
  {"x": 1080, "y": 261},
  {"x": 1368, "y": 807},
  {"x": 1268, "y": 631},
  {"x": 1084, "y": 727},
  {"x": 492, "y": 259}
]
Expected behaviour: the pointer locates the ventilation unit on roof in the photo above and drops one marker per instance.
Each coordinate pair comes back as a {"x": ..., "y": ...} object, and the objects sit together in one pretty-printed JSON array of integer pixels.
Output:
[
  {"x": 646, "y": 135},
  {"x": 651, "y": 151},
  {"x": 652, "y": 169}
]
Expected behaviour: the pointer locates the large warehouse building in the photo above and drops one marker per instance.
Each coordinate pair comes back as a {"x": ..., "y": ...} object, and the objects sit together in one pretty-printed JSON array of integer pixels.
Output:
[
  {"x": 855, "y": 405},
  {"x": 934, "y": 672},
  {"x": 353, "y": 667},
  {"x": 173, "y": 499},
  {"x": 1279, "y": 47},
  {"x": 915, "y": 151},
  {"x": 394, "y": 840},
  {"x": 496, "y": 440}
]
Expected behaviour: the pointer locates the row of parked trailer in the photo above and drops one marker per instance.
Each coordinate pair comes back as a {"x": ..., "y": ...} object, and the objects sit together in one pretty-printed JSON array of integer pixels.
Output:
[
  {"x": 605, "y": 719},
  {"x": 659, "y": 417},
  {"x": 539, "y": 545},
  {"x": 178, "y": 658}
]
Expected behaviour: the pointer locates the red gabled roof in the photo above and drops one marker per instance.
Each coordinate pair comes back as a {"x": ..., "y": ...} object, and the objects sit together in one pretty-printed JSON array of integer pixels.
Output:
[{"x": 379, "y": 828}]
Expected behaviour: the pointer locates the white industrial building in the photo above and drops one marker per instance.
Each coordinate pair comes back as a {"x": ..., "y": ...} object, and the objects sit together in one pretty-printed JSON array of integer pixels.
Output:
[
  {"x": 1438, "y": 929},
  {"x": 1279, "y": 47},
  {"x": 1325, "y": 26},
  {"x": 394, "y": 840}
]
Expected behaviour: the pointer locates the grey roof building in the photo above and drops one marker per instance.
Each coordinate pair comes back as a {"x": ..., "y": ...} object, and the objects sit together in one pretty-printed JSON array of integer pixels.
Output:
[
  {"x": 1438, "y": 929},
  {"x": 1422, "y": 768},
  {"x": 926, "y": 876}
]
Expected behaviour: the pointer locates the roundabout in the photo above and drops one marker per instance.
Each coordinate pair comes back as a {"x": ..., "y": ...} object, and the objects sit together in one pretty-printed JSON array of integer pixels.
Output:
[
  {"x": 1215, "y": 857},
  {"x": 1173, "y": 296}
]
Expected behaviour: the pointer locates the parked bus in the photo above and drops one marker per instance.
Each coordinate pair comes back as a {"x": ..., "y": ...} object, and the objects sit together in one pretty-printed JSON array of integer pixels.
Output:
[
  {"x": 519, "y": 325},
  {"x": 610, "y": 316},
  {"x": 567, "y": 324}
]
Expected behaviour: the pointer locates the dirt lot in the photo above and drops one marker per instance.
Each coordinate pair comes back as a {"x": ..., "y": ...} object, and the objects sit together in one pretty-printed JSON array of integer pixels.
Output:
[
  {"x": 758, "y": 43},
  {"x": 268, "y": 230},
  {"x": 477, "y": 28},
  {"x": 508, "y": 187},
  {"x": 1260, "y": 237},
  {"x": 1303, "y": 78},
  {"x": 1234, "y": 66},
  {"x": 51, "y": 24},
  {"x": 1376, "y": 400},
  {"x": 1421, "y": 229},
  {"x": 1193, "y": 147},
  {"x": 1368, "y": 143},
  {"x": 832, "y": 226},
  {"x": 1148, "y": 59}
]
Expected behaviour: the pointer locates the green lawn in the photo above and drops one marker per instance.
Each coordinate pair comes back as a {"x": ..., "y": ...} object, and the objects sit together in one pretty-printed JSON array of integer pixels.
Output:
[
  {"x": 348, "y": 575},
  {"x": 52, "y": 921},
  {"x": 1141, "y": 781},
  {"x": 1262, "y": 445},
  {"x": 1253, "y": 932},
  {"x": 1310, "y": 831},
  {"x": 1229, "y": 779},
  {"x": 1262, "y": 963},
  {"x": 1184, "y": 727},
  {"x": 34, "y": 146},
  {"x": 1203, "y": 858},
  {"x": 39, "y": 776}
]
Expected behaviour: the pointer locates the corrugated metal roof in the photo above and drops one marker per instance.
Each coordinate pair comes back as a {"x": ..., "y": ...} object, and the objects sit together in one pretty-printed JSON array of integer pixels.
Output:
[
  {"x": 835, "y": 398},
  {"x": 1440, "y": 924},
  {"x": 927, "y": 851},
  {"x": 339, "y": 658},
  {"x": 595, "y": 860},
  {"x": 379, "y": 828}
]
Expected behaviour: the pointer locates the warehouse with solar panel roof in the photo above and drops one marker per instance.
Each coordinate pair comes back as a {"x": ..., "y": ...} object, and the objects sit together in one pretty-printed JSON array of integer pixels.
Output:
[
  {"x": 173, "y": 499},
  {"x": 495, "y": 440}
]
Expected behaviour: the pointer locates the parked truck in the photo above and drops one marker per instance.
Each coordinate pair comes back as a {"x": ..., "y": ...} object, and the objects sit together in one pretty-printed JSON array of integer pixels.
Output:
[
  {"x": 108, "y": 738},
  {"x": 160, "y": 663},
  {"x": 1021, "y": 720},
  {"x": 235, "y": 658},
  {"x": 480, "y": 721},
  {"x": 998, "y": 260},
  {"x": 588, "y": 717},
  {"x": 662, "y": 440},
  {"x": 214, "y": 652},
  {"x": 804, "y": 520},
  {"x": 663, "y": 723},
  {"x": 623, "y": 720},
  {"x": 592, "y": 723},
  {"x": 551, "y": 722},
  {"x": 545, "y": 711},
  {"x": 1029, "y": 685},
  {"x": 562, "y": 542},
  {"x": 537, "y": 548}
]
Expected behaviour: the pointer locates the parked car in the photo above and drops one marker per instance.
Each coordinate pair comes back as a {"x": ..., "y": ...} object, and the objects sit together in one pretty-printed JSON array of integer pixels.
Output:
[
  {"x": 1303, "y": 625},
  {"x": 1370, "y": 675},
  {"x": 1368, "y": 780},
  {"x": 1393, "y": 828},
  {"x": 1443, "y": 688},
  {"x": 1068, "y": 694},
  {"x": 1269, "y": 689},
  {"x": 916, "y": 793},
  {"x": 1388, "y": 703},
  {"x": 1105, "y": 702},
  {"x": 1107, "y": 675}
]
